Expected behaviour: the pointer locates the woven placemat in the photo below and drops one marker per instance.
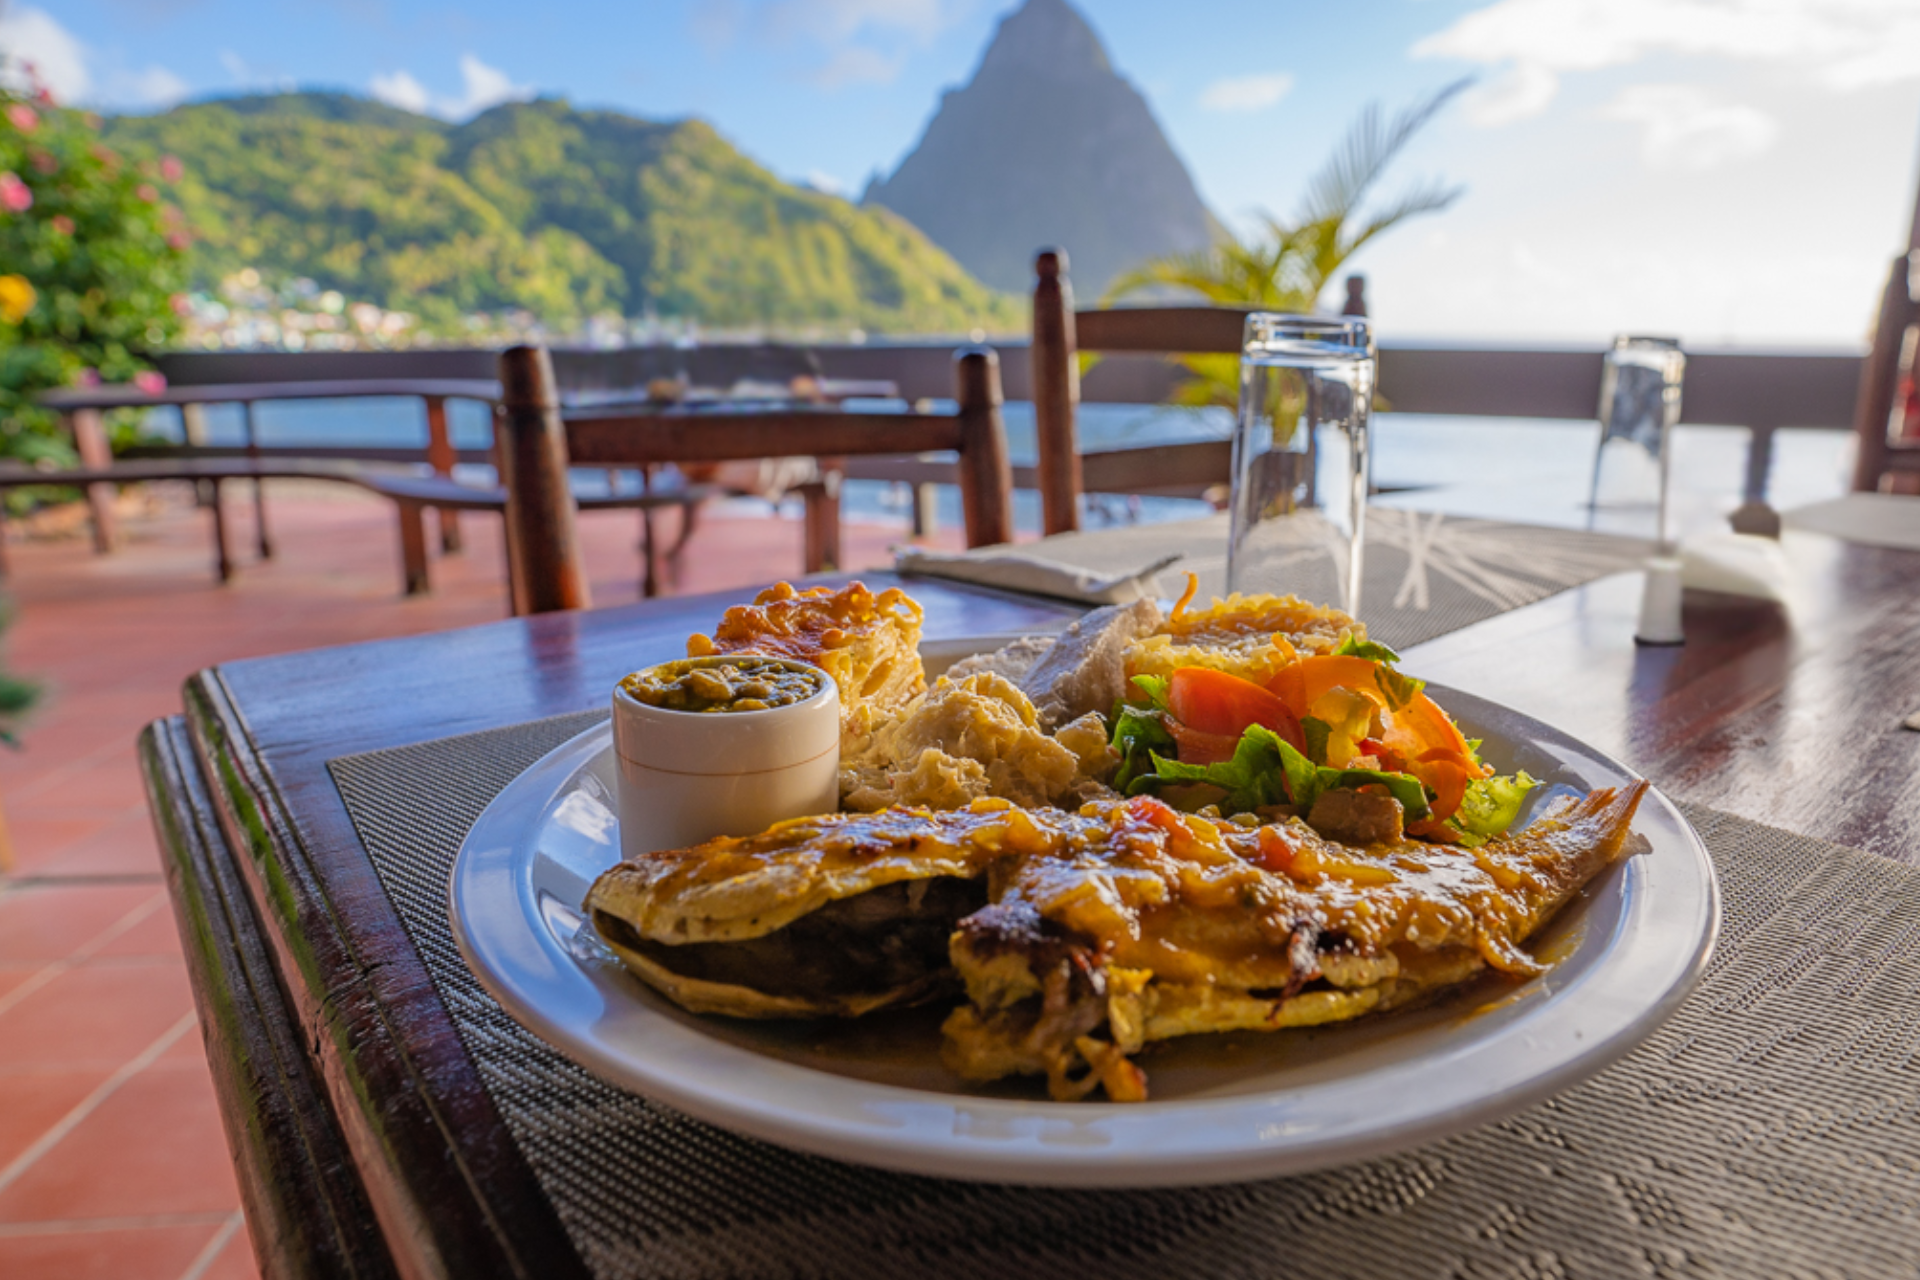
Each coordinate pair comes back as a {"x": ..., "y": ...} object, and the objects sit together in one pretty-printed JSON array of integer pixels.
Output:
[
  {"x": 1772, "y": 1128},
  {"x": 1424, "y": 574}
]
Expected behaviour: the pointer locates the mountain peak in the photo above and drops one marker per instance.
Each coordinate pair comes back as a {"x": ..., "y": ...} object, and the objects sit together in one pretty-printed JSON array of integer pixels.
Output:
[
  {"x": 1047, "y": 145},
  {"x": 1045, "y": 37}
]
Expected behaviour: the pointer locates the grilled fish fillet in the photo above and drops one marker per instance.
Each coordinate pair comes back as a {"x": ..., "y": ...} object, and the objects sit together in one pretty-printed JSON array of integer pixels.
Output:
[
  {"x": 1079, "y": 937},
  {"x": 837, "y": 915},
  {"x": 1155, "y": 924}
]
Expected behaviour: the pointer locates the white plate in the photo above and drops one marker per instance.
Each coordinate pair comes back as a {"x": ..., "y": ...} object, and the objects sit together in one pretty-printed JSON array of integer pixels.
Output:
[{"x": 1225, "y": 1107}]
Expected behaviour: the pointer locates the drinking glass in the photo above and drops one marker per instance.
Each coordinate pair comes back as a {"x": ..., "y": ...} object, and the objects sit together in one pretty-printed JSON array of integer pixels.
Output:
[
  {"x": 1300, "y": 458},
  {"x": 1640, "y": 383}
]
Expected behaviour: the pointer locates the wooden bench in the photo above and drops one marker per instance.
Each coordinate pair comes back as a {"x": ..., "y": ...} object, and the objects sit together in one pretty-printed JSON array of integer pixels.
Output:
[
  {"x": 411, "y": 492},
  {"x": 84, "y": 409}
]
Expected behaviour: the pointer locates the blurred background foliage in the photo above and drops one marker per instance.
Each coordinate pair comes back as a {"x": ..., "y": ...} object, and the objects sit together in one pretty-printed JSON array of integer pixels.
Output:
[{"x": 93, "y": 259}]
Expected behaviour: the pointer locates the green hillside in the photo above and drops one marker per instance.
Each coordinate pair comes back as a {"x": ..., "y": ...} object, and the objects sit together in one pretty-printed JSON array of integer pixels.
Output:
[{"x": 564, "y": 213}]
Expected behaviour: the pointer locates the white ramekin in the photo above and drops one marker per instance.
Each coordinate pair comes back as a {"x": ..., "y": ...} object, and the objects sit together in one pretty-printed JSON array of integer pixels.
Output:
[{"x": 688, "y": 776}]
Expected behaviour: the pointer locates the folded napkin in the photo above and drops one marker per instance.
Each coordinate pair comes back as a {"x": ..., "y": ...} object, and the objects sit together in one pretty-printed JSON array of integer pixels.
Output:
[
  {"x": 1736, "y": 563},
  {"x": 1014, "y": 572}
]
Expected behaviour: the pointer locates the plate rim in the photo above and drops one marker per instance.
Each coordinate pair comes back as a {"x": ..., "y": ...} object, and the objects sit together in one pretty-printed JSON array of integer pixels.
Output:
[{"x": 1015, "y": 1148}]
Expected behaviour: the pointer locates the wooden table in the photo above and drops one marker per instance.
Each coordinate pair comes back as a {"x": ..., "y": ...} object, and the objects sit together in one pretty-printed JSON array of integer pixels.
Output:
[{"x": 364, "y": 1141}]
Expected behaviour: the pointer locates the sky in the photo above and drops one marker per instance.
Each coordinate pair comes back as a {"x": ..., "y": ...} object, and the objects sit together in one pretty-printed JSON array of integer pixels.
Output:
[{"x": 1731, "y": 172}]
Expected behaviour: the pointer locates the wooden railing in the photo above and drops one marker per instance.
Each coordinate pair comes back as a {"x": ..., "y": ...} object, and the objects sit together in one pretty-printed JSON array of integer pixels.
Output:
[{"x": 1761, "y": 391}]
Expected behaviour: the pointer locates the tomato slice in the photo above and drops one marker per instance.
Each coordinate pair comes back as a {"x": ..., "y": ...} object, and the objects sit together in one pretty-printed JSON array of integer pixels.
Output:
[
  {"x": 1221, "y": 704},
  {"x": 1201, "y": 748}
]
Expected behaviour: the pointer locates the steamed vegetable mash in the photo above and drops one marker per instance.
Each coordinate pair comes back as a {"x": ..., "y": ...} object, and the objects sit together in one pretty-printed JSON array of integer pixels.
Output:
[{"x": 743, "y": 682}]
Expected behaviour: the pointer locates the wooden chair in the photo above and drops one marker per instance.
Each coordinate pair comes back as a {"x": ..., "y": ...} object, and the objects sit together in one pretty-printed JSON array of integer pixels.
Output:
[
  {"x": 1059, "y": 335},
  {"x": 536, "y": 447},
  {"x": 1881, "y": 411}
]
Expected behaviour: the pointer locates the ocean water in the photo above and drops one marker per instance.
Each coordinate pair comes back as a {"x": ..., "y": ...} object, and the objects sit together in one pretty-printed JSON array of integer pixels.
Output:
[{"x": 1536, "y": 471}]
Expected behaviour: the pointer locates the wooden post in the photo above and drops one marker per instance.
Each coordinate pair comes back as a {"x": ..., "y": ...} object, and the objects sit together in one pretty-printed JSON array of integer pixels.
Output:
[
  {"x": 222, "y": 557},
  {"x": 1356, "y": 297},
  {"x": 821, "y": 522},
  {"x": 259, "y": 486},
  {"x": 1879, "y": 375},
  {"x": 548, "y": 573},
  {"x": 926, "y": 510},
  {"x": 441, "y": 457},
  {"x": 89, "y": 432},
  {"x": 1055, "y": 370},
  {"x": 986, "y": 475},
  {"x": 193, "y": 423},
  {"x": 414, "y": 579}
]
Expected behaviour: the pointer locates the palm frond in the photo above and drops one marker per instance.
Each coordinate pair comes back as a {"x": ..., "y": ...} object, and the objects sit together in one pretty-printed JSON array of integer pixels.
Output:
[
  {"x": 1429, "y": 197},
  {"x": 1369, "y": 147}
]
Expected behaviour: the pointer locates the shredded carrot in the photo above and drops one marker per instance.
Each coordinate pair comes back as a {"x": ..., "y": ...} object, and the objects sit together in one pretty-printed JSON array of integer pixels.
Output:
[{"x": 1186, "y": 597}]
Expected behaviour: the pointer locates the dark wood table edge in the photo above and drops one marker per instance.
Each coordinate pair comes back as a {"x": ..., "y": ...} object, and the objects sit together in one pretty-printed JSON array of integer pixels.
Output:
[
  {"x": 445, "y": 1183},
  {"x": 305, "y": 1203},
  {"x": 440, "y": 1215}
]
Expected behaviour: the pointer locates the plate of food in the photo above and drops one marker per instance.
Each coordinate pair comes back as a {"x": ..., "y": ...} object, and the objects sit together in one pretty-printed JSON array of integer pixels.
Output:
[{"x": 1173, "y": 897}]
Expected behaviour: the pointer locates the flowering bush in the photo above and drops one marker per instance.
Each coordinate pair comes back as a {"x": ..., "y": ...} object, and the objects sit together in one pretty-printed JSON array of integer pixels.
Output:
[{"x": 91, "y": 259}]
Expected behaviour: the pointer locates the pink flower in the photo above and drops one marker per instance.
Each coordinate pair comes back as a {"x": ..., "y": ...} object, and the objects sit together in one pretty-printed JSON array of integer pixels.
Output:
[
  {"x": 181, "y": 304},
  {"x": 150, "y": 382},
  {"x": 43, "y": 161},
  {"x": 62, "y": 223},
  {"x": 171, "y": 169},
  {"x": 87, "y": 378},
  {"x": 23, "y": 117},
  {"x": 148, "y": 192},
  {"x": 15, "y": 195},
  {"x": 178, "y": 241}
]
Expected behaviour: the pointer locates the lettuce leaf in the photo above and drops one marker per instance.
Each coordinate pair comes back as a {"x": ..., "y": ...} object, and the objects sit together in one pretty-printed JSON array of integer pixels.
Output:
[
  {"x": 1155, "y": 687},
  {"x": 1137, "y": 734},
  {"x": 1317, "y": 732},
  {"x": 1266, "y": 769},
  {"x": 1399, "y": 689},
  {"x": 1372, "y": 649},
  {"x": 1253, "y": 778},
  {"x": 1491, "y": 804}
]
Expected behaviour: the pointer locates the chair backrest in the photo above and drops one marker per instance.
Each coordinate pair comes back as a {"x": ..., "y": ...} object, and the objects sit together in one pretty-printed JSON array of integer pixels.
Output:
[
  {"x": 1878, "y": 455},
  {"x": 536, "y": 446},
  {"x": 1059, "y": 335}
]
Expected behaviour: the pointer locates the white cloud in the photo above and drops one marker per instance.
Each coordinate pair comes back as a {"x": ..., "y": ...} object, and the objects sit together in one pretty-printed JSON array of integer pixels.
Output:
[
  {"x": 1686, "y": 128},
  {"x": 1839, "y": 44},
  {"x": 482, "y": 86},
  {"x": 61, "y": 63},
  {"x": 834, "y": 22},
  {"x": 859, "y": 41},
  {"x": 58, "y": 59},
  {"x": 1246, "y": 93},
  {"x": 857, "y": 64},
  {"x": 154, "y": 87},
  {"x": 1522, "y": 90},
  {"x": 486, "y": 87},
  {"x": 401, "y": 90},
  {"x": 826, "y": 183},
  {"x": 248, "y": 76}
]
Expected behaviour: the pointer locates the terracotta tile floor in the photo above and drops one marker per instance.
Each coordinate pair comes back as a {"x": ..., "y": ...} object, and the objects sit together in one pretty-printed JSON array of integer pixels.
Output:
[{"x": 112, "y": 1159}]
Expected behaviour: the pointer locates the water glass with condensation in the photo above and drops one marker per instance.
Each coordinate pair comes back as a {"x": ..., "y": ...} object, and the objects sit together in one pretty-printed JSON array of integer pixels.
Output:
[
  {"x": 1640, "y": 383},
  {"x": 1300, "y": 458}
]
